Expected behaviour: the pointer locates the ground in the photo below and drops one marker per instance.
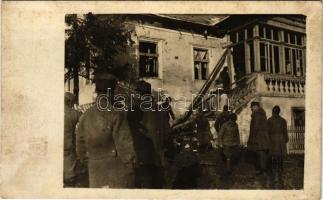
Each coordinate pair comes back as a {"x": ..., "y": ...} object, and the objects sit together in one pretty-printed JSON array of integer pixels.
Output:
[{"x": 244, "y": 174}]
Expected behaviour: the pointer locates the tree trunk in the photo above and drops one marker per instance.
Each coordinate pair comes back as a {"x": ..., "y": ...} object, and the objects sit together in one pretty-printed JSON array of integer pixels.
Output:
[{"x": 76, "y": 85}]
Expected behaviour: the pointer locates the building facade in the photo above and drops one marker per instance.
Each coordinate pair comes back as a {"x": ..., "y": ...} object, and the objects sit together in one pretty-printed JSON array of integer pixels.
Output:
[
  {"x": 175, "y": 54},
  {"x": 266, "y": 58}
]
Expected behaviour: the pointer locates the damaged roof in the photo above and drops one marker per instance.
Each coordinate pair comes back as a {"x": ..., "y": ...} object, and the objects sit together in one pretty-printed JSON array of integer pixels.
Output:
[{"x": 203, "y": 19}]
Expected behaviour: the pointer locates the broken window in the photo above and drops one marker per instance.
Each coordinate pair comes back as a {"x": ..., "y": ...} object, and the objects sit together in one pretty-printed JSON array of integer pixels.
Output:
[
  {"x": 148, "y": 59},
  {"x": 201, "y": 62},
  {"x": 294, "y": 61},
  {"x": 269, "y": 57}
]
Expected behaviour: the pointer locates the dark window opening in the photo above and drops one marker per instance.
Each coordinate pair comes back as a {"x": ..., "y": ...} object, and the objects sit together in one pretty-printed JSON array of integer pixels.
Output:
[
  {"x": 201, "y": 62},
  {"x": 286, "y": 34},
  {"x": 250, "y": 32},
  {"x": 238, "y": 55},
  {"x": 276, "y": 56},
  {"x": 252, "y": 57},
  {"x": 298, "y": 117},
  {"x": 270, "y": 59},
  {"x": 268, "y": 33},
  {"x": 292, "y": 39},
  {"x": 294, "y": 62},
  {"x": 301, "y": 67},
  {"x": 263, "y": 59},
  {"x": 299, "y": 40},
  {"x": 233, "y": 37},
  {"x": 148, "y": 59},
  {"x": 241, "y": 35},
  {"x": 276, "y": 34},
  {"x": 261, "y": 31}
]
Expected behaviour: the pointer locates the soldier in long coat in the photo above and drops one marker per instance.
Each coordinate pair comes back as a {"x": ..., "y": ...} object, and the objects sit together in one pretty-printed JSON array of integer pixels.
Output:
[
  {"x": 71, "y": 117},
  {"x": 104, "y": 135},
  {"x": 277, "y": 130},
  {"x": 258, "y": 141},
  {"x": 145, "y": 123}
]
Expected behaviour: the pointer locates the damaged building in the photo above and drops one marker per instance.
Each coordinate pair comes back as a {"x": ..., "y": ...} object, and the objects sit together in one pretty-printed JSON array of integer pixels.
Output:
[{"x": 265, "y": 55}]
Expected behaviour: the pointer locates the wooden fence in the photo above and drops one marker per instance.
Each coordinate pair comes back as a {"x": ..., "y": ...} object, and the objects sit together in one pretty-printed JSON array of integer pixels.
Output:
[{"x": 296, "y": 140}]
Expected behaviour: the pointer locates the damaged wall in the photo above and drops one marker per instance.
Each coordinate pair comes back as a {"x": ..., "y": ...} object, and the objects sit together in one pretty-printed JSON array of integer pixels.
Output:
[{"x": 176, "y": 62}]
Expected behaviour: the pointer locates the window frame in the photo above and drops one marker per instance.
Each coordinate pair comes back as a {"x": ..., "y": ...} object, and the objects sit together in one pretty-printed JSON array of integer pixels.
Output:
[
  {"x": 153, "y": 55},
  {"x": 207, "y": 61}
]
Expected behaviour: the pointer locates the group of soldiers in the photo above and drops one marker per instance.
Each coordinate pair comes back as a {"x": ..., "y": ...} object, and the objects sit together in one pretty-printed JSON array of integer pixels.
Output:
[
  {"x": 126, "y": 149},
  {"x": 267, "y": 143},
  {"x": 121, "y": 149}
]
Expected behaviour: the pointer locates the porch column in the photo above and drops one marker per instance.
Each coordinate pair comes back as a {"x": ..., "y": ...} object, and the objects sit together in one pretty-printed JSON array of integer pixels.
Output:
[
  {"x": 229, "y": 60},
  {"x": 304, "y": 54},
  {"x": 247, "y": 53},
  {"x": 256, "y": 48}
]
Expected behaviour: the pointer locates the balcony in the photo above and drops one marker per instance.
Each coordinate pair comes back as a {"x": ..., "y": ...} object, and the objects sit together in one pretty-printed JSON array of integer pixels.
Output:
[
  {"x": 265, "y": 84},
  {"x": 280, "y": 85}
]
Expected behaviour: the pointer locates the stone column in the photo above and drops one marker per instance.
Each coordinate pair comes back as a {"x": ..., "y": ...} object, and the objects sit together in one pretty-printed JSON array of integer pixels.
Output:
[
  {"x": 256, "y": 48},
  {"x": 247, "y": 53}
]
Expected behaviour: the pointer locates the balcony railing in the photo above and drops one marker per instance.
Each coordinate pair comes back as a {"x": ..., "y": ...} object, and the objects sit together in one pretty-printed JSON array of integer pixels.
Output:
[
  {"x": 265, "y": 84},
  {"x": 283, "y": 85}
]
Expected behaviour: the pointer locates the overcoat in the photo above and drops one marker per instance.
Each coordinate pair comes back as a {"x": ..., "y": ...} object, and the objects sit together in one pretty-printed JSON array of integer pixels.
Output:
[
  {"x": 277, "y": 130},
  {"x": 105, "y": 136},
  {"x": 147, "y": 130},
  {"x": 258, "y": 138}
]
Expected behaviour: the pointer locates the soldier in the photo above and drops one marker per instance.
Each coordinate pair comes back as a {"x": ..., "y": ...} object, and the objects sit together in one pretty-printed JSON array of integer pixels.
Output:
[
  {"x": 277, "y": 130},
  {"x": 258, "y": 139},
  {"x": 224, "y": 78},
  {"x": 166, "y": 112},
  {"x": 71, "y": 117},
  {"x": 222, "y": 118},
  {"x": 105, "y": 136},
  {"x": 202, "y": 128},
  {"x": 146, "y": 131},
  {"x": 229, "y": 139}
]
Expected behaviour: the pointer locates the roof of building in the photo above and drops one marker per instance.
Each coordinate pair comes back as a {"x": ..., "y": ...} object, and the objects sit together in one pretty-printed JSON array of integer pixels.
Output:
[{"x": 203, "y": 19}]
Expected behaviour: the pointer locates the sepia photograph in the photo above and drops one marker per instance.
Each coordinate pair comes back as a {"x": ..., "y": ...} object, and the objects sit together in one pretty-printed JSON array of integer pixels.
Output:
[
  {"x": 161, "y": 100},
  {"x": 184, "y": 101}
]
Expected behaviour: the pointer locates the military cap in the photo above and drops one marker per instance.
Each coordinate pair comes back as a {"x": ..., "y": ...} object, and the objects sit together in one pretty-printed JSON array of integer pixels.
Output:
[
  {"x": 233, "y": 117},
  {"x": 276, "y": 109},
  {"x": 143, "y": 87},
  {"x": 104, "y": 80}
]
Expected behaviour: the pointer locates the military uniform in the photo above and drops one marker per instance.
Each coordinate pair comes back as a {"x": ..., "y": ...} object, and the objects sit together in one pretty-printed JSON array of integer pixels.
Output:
[
  {"x": 105, "y": 136},
  {"x": 71, "y": 117},
  {"x": 148, "y": 141},
  {"x": 258, "y": 141},
  {"x": 203, "y": 132},
  {"x": 277, "y": 130}
]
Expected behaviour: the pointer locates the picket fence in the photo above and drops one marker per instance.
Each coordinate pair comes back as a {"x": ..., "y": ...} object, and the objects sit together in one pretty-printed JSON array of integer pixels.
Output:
[{"x": 296, "y": 140}]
